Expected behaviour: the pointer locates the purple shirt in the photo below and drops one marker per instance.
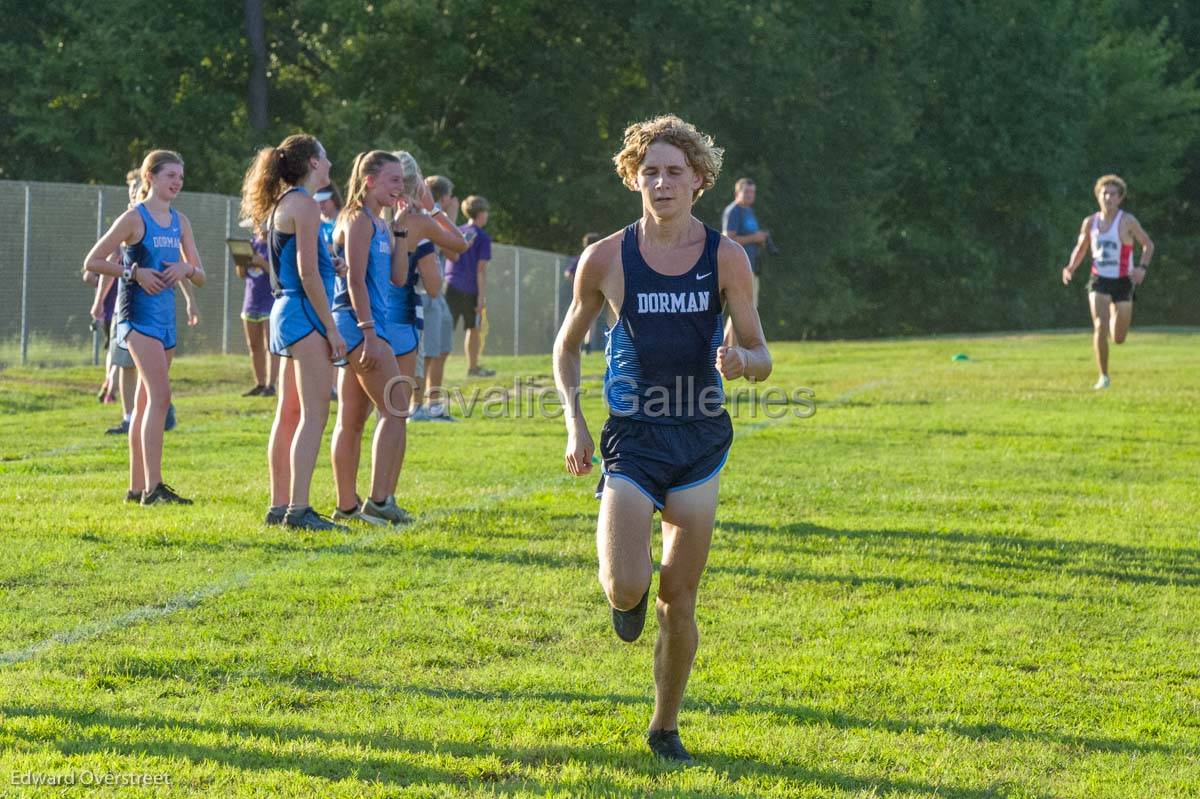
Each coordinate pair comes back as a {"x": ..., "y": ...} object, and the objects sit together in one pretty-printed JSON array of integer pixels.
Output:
[
  {"x": 462, "y": 274},
  {"x": 258, "y": 298}
]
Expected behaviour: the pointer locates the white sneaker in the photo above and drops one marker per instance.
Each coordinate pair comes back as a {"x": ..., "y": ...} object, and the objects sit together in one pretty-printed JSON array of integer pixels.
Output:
[
  {"x": 441, "y": 413},
  {"x": 1102, "y": 383}
]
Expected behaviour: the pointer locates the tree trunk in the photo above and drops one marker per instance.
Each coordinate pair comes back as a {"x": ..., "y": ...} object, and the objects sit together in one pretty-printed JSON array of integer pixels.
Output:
[{"x": 257, "y": 35}]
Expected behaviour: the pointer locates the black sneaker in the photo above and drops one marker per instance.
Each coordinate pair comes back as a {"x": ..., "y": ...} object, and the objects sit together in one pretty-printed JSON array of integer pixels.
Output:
[
  {"x": 165, "y": 495},
  {"x": 254, "y": 392},
  {"x": 169, "y": 424},
  {"x": 665, "y": 744},
  {"x": 629, "y": 623},
  {"x": 268, "y": 391},
  {"x": 133, "y": 496},
  {"x": 275, "y": 515},
  {"x": 119, "y": 430},
  {"x": 308, "y": 519}
]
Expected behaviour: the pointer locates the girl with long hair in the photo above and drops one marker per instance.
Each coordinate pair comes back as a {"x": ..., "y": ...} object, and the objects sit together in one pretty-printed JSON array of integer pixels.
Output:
[
  {"x": 422, "y": 226},
  {"x": 277, "y": 195},
  {"x": 371, "y": 377}
]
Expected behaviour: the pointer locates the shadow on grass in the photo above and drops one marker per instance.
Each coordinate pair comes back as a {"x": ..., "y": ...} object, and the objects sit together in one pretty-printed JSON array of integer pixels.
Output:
[
  {"x": 806, "y": 715},
  {"x": 386, "y": 758},
  {"x": 215, "y": 676},
  {"x": 1054, "y": 556}
]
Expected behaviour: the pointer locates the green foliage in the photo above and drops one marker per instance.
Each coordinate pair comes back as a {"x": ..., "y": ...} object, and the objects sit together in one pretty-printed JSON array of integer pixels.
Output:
[{"x": 923, "y": 166}]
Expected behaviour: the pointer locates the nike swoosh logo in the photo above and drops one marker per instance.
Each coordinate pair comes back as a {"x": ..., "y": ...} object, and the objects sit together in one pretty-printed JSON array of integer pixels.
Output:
[{"x": 701, "y": 277}]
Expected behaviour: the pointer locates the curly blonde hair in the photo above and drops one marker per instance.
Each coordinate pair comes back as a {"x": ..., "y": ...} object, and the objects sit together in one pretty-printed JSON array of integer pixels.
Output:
[
  {"x": 702, "y": 154},
  {"x": 1105, "y": 180}
]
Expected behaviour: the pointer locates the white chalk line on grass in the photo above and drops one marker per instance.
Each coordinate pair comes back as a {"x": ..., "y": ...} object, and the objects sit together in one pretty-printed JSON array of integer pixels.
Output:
[
  {"x": 191, "y": 599},
  {"x": 144, "y": 613}
]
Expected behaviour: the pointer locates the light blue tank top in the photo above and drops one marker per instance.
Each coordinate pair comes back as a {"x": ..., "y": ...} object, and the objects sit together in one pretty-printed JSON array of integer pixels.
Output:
[
  {"x": 159, "y": 246},
  {"x": 287, "y": 269},
  {"x": 378, "y": 277}
]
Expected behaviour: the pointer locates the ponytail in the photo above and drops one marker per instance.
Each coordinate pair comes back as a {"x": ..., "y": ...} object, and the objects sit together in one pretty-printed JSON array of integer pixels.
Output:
[
  {"x": 356, "y": 189},
  {"x": 272, "y": 169}
]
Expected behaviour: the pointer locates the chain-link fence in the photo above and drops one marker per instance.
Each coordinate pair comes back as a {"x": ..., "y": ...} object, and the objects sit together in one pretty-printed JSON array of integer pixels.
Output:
[{"x": 47, "y": 228}]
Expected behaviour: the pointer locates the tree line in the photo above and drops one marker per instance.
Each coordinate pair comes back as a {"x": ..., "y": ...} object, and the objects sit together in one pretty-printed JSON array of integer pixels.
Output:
[{"x": 923, "y": 166}]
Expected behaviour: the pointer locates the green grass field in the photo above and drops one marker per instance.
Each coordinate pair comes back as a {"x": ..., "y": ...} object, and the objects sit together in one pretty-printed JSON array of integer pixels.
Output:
[{"x": 974, "y": 579}]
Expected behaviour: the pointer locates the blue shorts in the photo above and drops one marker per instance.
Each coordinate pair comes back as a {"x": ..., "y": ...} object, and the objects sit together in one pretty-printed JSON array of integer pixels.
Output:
[
  {"x": 403, "y": 338},
  {"x": 292, "y": 318},
  {"x": 661, "y": 458},
  {"x": 164, "y": 333},
  {"x": 347, "y": 325}
]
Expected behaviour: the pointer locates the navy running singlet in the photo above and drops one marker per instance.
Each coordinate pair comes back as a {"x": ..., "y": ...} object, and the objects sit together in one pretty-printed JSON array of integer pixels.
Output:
[
  {"x": 662, "y": 350},
  {"x": 404, "y": 301}
]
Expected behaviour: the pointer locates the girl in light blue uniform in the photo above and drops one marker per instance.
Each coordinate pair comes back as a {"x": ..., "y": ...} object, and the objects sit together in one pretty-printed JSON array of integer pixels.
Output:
[
  {"x": 160, "y": 254},
  {"x": 422, "y": 226},
  {"x": 378, "y": 280},
  {"x": 277, "y": 196},
  {"x": 293, "y": 316},
  {"x": 371, "y": 379},
  {"x": 151, "y": 315}
]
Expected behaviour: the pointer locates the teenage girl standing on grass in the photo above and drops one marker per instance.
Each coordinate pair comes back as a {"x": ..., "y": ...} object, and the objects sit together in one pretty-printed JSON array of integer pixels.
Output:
[
  {"x": 277, "y": 195},
  {"x": 371, "y": 377},
  {"x": 160, "y": 254}
]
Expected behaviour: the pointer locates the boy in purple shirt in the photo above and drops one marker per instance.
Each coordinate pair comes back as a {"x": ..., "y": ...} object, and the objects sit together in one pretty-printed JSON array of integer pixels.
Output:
[{"x": 465, "y": 284}]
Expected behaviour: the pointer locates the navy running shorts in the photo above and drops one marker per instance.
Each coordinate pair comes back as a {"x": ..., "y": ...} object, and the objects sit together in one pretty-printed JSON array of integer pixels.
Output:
[{"x": 661, "y": 458}]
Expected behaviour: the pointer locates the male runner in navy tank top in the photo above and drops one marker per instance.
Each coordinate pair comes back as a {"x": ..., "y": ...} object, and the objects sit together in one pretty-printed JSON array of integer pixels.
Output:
[
  {"x": 1110, "y": 234},
  {"x": 668, "y": 277}
]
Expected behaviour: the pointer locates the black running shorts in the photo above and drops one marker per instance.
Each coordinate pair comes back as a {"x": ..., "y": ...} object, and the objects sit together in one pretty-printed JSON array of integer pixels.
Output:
[
  {"x": 660, "y": 458},
  {"x": 461, "y": 305},
  {"x": 1119, "y": 288}
]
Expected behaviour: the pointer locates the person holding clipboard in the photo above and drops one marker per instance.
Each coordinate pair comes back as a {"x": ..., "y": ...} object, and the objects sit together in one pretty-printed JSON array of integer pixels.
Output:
[{"x": 250, "y": 262}]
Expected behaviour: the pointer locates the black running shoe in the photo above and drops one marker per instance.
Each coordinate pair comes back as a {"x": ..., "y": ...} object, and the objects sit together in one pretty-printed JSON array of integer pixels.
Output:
[
  {"x": 163, "y": 494},
  {"x": 119, "y": 430},
  {"x": 133, "y": 496},
  {"x": 629, "y": 623},
  {"x": 275, "y": 515},
  {"x": 254, "y": 392},
  {"x": 665, "y": 744},
  {"x": 268, "y": 391},
  {"x": 308, "y": 519}
]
